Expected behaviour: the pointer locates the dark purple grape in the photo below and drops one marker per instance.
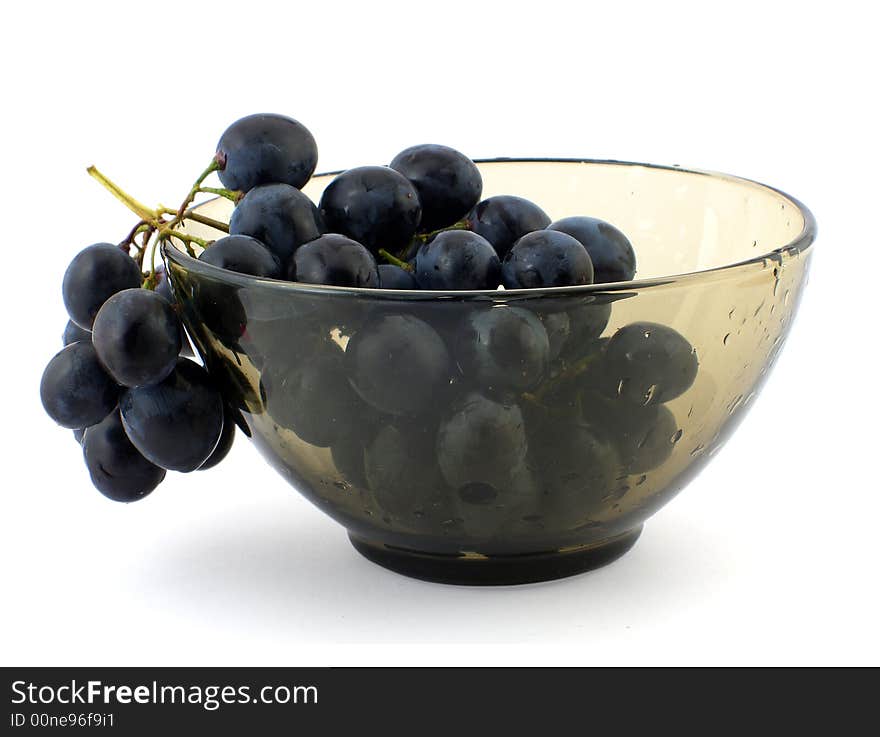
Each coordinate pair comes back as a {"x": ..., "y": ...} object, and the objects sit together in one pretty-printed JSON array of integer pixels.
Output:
[
  {"x": 646, "y": 364},
  {"x": 75, "y": 389},
  {"x": 482, "y": 442},
  {"x": 137, "y": 337},
  {"x": 644, "y": 437},
  {"x": 400, "y": 466},
  {"x": 117, "y": 469},
  {"x": 226, "y": 438},
  {"x": 312, "y": 396},
  {"x": 73, "y": 333},
  {"x": 279, "y": 216},
  {"x": 587, "y": 318},
  {"x": 394, "y": 277},
  {"x": 177, "y": 423},
  {"x": 576, "y": 462},
  {"x": 266, "y": 149},
  {"x": 448, "y": 182},
  {"x": 610, "y": 251},
  {"x": 374, "y": 205},
  {"x": 558, "y": 327},
  {"x": 457, "y": 259},
  {"x": 96, "y": 274},
  {"x": 242, "y": 254},
  {"x": 546, "y": 258},
  {"x": 503, "y": 350},
  {"x": 504, "y": 219},
  {"x": 398, "y": 364},
  {"x": 334, "y": 260}
]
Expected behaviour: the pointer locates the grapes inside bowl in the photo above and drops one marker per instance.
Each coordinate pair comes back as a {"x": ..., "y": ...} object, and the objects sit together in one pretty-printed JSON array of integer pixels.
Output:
[{"x": 504, "y": 436}]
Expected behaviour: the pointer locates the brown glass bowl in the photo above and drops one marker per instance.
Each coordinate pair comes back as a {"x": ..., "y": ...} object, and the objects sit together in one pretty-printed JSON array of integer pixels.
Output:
[{"x": 481, "y": 485}]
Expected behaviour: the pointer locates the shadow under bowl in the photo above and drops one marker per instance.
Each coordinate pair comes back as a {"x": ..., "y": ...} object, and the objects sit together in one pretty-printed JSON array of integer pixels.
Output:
[{"x": 453, "y": 460}]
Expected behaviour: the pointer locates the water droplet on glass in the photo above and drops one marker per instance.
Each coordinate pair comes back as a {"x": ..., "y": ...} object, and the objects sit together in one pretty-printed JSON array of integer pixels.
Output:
[
  {"x": 725, "y": 339},
  {"x": 641, "y": 480},
  {"x": 677, "y": 436}
]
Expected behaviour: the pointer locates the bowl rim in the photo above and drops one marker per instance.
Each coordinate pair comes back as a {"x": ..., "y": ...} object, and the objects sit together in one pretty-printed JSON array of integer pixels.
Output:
[{"x": 799, "y": 244}]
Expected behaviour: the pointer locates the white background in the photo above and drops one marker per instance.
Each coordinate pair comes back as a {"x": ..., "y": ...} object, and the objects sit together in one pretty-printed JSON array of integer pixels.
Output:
[{"x": 770, "y": 556}]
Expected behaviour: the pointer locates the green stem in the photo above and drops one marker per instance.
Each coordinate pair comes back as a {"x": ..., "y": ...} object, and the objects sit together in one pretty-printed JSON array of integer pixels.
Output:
[
  {"x": 138, "y": 208},
  {"x": 205, "y": 220},
  {"x": 194, "y": 190},
  {"x": 576, "y": 369},
  {"x": 392, "y": 259},
  {"x": 167, "y": 233},
  {"x": 460, "y": 225},
  {"x": 229, "y": 194}
]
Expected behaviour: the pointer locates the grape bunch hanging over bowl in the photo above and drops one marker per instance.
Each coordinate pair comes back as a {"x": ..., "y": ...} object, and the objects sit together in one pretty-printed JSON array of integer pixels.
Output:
[{"x": 452, "y": 374}]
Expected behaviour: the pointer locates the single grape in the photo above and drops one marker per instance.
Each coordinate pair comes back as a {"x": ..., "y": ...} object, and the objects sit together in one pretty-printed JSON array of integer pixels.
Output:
[
  {"x": 96, "y": 274},
  {"x": 577, "y": 463},
  {"x": 75, "y": 389},
  {"x": 448, "y": 182},
  {"x": 546, "y": 258},
  {"x": 394, "y": 277},
  {"x": 457, "y": 259},
  {"x": 504, "y": 219},
  {"x": 335, "y": 260},
  {"x": 279, "y": 216},
  {"x": 398, "y": 364},
  {"x": 482, "y": 442},
  {"x": 503, "y": 350},
  {"x": 587, "y": 319},
  {"x": 266, "y": 149},
  {"x": 117, "y": 469},
  {"x": 224, "y": 444},
  {"x": 374, "y": 205},
  {"x": 558, "y": 327},
  {"x": 242, "y": 254},
  {"x": 401, "y": 469},
  {"x": 137, "y": 337},
  {"x": 176, "y": 423},
  {"x": 642, "y": 436},
  {"x": 73, "y": 333},
  {"x": 312, "y": 397},
  {"x": 646, "y": 363},
  {"x": 610, "y": 251}
]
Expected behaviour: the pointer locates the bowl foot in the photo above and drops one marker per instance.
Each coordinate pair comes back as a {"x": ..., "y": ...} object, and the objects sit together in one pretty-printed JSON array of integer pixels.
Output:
[{"x": 497, "y": 570}]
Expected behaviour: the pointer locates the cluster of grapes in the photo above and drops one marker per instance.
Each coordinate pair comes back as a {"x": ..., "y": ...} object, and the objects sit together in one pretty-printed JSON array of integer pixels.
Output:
[
  {"x": 422, "y": 215},
  {"x": 486, "y": 414},
  {"x": 140, "y": 407}
]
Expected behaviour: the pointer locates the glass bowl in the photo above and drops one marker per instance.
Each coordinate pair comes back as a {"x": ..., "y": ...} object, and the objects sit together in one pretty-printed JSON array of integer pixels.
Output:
[{"x": 569, "y": 466}]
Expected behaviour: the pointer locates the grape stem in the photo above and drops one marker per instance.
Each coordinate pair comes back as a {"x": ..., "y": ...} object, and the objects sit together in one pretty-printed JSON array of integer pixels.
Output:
[
  {"x": 392, "y": 259},
  {"x": 194, "y": 190},
  {"x": 460, "y": 225},
  {"x": 197, "y": 217},
  {"x": 576, "y": 369},
  {"x": 138, "y": 208},
  {"x": 229, "y": 194}
]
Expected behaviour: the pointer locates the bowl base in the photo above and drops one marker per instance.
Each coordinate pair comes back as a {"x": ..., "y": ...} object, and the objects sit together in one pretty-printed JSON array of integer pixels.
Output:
[{"x": 497, "y": 570}]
